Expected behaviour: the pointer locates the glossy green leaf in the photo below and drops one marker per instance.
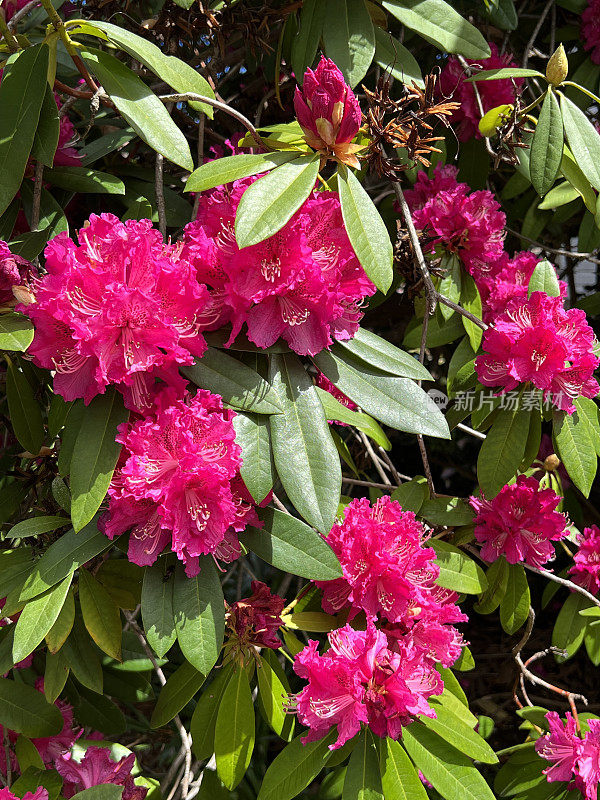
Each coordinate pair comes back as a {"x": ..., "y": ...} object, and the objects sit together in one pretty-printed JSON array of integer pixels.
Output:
[
  {"x": 48, "y": 131},
  {"x": 16, "y": 332},
  {"x": 33, "y": 778},
  {"x": 253, "y": 435},
  {"x": 457, "y": 570},
  {"x": 83, "y": 179},
  {"x": 103, "y": 791},
  {"x": 27, "y": 754},
  {"x": 238, "y": 384},
  {"x": 377, "y": 352},
  {"x": 24, "y": 410},
  {"x": 22, "y": 94},
  {"x": 336, "y": 411},
  {"x": 55, "y": 675},
  {"x": 504, "y": 72},
  {"x": 199, "y": 615},
  {"x": 231, "y": 168},
  {"x": 502, "y": 451},
  {"x": 583, "y": 139},
  {"x": 451, "y": 773},
  {"x": 575, "y": 448},
  {"x": 270, "y": 202},
  {"x": 58, "y": 633},
  {"x": 438, "y": 23},
  {"x": 204, "y": 718},
  {"x": 295, "y": 768},
  {"x": 157, "y": 608},
  {"x": 447, "y": 511},
  {"x": 544, "y": 279},
  {"x": 37, "y": 618},
  {"x": 366, "y": 230},
  {"x": 95, "y": 455},
  {"x": 306, "y": 41},
  {"x": 363, "y": 781},
  {"x": 25, "y": 710},
  {"x": 514, "y": 606},
  {"x": 235, "y": 729},
  {"x": 570, "y": 626},
  {"x": 348, "y": 37},
  {"x": 395, "y": 58},
  {"x": 100, "y": 614},
  {"x": 460, "y": 735},
  {"x": 305, "y": 456},
  {"x": 273, "y": 696},
  {"x": 83, "y": 657},
  {"x": 290, "y": 545},
  {"x": 471, "y": 301},
  {"x": 140, "y": 107},
  {"x": 177, "y": 692},
  {"x": 397, "y": 402},
  {"x": 588, "y": 410},
  {"x": 497, "y": 581},
  {"x": 547, "y": 145},
  {"x": 412, "y": 494},
  {"x": 399, "y": 778}
]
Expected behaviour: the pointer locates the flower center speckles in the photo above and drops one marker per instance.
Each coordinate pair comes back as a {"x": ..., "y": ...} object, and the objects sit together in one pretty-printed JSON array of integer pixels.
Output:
[{"x": 292, "y": 312}]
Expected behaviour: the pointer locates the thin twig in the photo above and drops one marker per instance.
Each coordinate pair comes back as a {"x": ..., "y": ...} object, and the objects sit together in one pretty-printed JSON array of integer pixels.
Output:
[
  {"x": 37, "y": 195},
  {"x": 7, "y": 756},
  {"x": 200, "y": 152},
  {"x": 430, "y": 290},
  {"x": 373, "y": 456},
  {"x": 159, "y": 189},
  {"x": 574, "y": 587},
  {"x": 471, "y": 431},
  {"x": 470, "y": 71},
  {"x": 555, "y": 250},
  {"x": 356, "y": 482},
  {"x": 536, "y": 30},
  {"x": 462, "y": 311},
  {"x": 22, "y": 12}
]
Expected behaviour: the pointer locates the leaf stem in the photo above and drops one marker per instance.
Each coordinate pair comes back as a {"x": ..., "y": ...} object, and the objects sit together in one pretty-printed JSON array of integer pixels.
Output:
[{"x": 8, "y": 35}]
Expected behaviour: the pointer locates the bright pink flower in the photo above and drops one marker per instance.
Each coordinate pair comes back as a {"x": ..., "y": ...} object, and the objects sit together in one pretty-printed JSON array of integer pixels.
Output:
[
  {"x": 361, "y": 678},
  {"x": 14, "y": 271},
  {"x": 537, "y": 340},
  {"x": 452, "y": 83},
  {"x": 303, "y": 284},
  {"x": 39, "y": 794},
  {"x": 586, "y": 570},
  {"x": 10, "y": 7},
  {"x": 328, "y": 112},
  {"x": 324, "y": 383},
  {"x": 389, "y": 573},
  {"x": 508, "y": 280},
  {"x": 256, "y": 620},
  {"x": 590, "y": 29},
  {"x": 521, "y": 523},
  {"x": 118, "y": 308},
  {"x": 96, "y": 768},
  {"x": 465, "y": 223},
  {"x": 562, "y": 746},
  {"x": 177, "y": 483},
  {"x": 66, "y": 155},
  {"x": 589, "y": 762}
]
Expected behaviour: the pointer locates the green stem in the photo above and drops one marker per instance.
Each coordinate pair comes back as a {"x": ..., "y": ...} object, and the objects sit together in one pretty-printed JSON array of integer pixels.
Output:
[
  {"x": 593, "y": 96},
  {"x": 8, "y": 35},
  {"x": 531, "y": 106}
]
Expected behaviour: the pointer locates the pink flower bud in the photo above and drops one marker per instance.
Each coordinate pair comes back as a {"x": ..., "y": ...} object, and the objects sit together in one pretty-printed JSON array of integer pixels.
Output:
[{"x": 328, "y": 112}]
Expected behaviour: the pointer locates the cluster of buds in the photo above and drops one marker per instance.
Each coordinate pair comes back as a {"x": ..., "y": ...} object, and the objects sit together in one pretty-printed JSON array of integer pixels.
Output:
[
  {"x": 16, "y": 273},
  {"x": 253, "y": 623}
]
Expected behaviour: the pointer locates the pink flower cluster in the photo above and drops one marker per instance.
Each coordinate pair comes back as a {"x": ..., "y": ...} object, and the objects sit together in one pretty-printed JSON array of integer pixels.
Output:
[
  {"x": 521, "y": 523},
  {"x": 255, "y": 621},
  {"x": 586, "y": 570},
  {"x": 382, "y": 676},
  {"x": 590, "y": 29},
  {"x": 573, "y": 758},
  {"x": 14, "y": 272},
  {"x": 453, "y": 84},
  {"x": 303, "y": 284},
  {"x": 39, "y": 794},
  {"x": 96, "y": 768},
  {"x": 119, "y": 307},
  {"x": 178, "y": 484},
  {"x": 537, "y": 340}
]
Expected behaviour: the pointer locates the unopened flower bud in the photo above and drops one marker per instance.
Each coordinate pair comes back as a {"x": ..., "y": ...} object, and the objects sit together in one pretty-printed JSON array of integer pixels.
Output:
[
  {"x": 557, "y": 66},
  {"x": 552, "y": 463},
  {"x": 328, "y": 112},
  {"x": 23, "y": 294}
]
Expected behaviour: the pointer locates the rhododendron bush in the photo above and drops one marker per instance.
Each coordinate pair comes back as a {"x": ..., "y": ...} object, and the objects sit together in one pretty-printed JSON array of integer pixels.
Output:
[{"x": 299, "y": 383}]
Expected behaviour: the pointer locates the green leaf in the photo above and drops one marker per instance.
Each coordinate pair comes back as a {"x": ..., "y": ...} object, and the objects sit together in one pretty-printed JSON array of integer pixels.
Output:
[
  {"x": 570, "y": 626},
  {"x": 503, "y": 73},
  {"x": 583, "y": 139},
  {"x": 460, "y": 735},
  {"x": 377, "y": 352},
  {"x": 305, "y": 456},
  {"x": 471, "y": 301},
  {"x": 291, "y": 546},
  {"x": 395, "y": 58},
  {"x": 271, "y": 201},
  {"x": 437, "y": 22},
  {"x": 22, "y": 93},
  {"x": 55, "y": 675},
  {"x": 83, "y": 658},
  {"x": 363, "y": 781},
  {"x": 234, "y": 732},
  {"x": 231, "y": 168},
  {"x": 238, "y": 384},
  {"x": 103, "y": 791},
  {"x": 453, "y": 703},
  {"x": 588, "y": 410},
  {"x": 33, "y": 778},
  {"x": 100, "y": 615},
  {"x": 349, "y": 38},
  {"x": 83, "y": 179},
  {"x": 157, "y": 608},
  {"x": 37, "y": 618},
  {"x": 457, "y": 571},
  {"x": 451, "y": 773},
  {"x": 24, "y": 410},
  {"x": 58, "y": 633},
  {"x": 99, "y": 713},
  {"x": 48, "y": 131},
  {"x": 177, "y": 692},
  {"x": 199, "y": 615},
  {"x": 497, "y": 580},
  {"x": 140, "y": 107},
  {"x": 30, "y": 244},
  {"x": 27, "y": 754},
  {"x": 399, "y": 779},
  {"x": 397, "y": 402},
  {"x": 447, "y": 511},
  {"x": 544, "y": 279},
  {"x": 64, "y": 556},
  {"x": 204, "y": 718},
  {"x": 547, "y": 145},
  {"x": 502, "y": 451},
  {"x": 575, "y": 448},
  {"x": 514, "y": 606},
  {"x": 25, "y": 710},
  {"x": 52, "y": 217},
  {"x": 366, "y": 230},
  {"x": 95, "y": 455},
  {"x": 16, "y": 332},
  {"x": 412, "y": 494},
  {"x": 273, "y": 696},
  {"x": 572, "y": 172},
  {"x": 180, "y": 76},
  {"x": 438, "y": 332},
  {"x": 258, "y": 469},
  {"x": 336, "y": 411},
  {"x": 104, "y": 145},
  {"x": 306, "y": 42},
  {"x": 295, "y": 768}
]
